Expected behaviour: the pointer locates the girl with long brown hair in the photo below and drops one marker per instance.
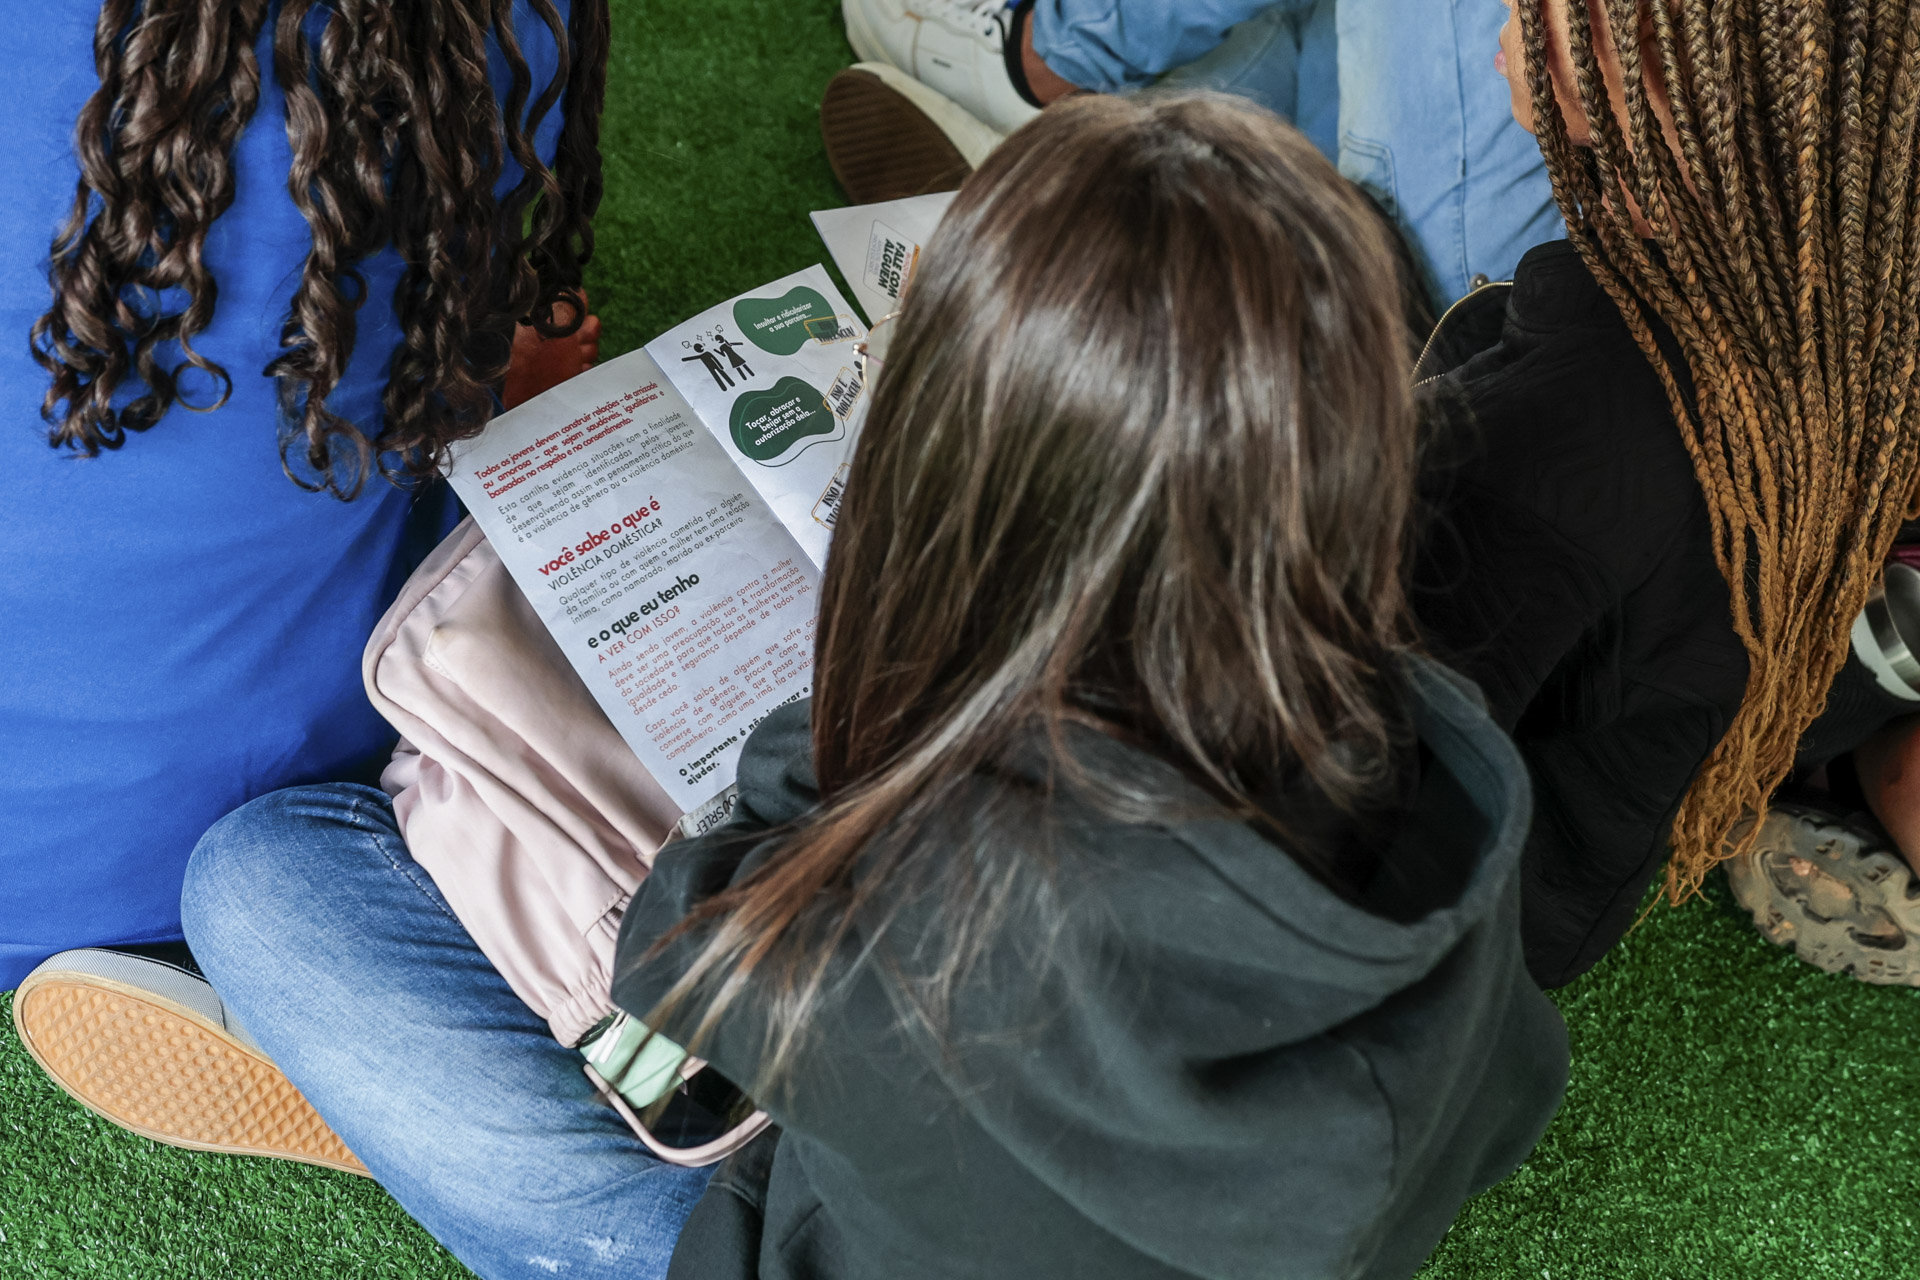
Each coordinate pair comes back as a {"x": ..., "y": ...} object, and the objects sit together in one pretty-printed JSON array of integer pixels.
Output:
[
  {"x": 1693, "y": 445},
  {"x": 1127, "y": 848},
  {"x": 288, "y": 244},
  {"x": 1132, "y": 899}
]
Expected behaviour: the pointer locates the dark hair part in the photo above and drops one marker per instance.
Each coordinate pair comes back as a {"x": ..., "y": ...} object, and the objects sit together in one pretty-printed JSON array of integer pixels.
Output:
[
  {"x": 1787, "y": 226},
  {"x": 1140, "y": 458},
  {"x": 398, "y": 138}
]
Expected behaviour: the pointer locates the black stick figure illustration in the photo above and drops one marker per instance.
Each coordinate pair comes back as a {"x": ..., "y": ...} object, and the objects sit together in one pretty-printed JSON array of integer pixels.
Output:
[
  {"x": 734, "y": 357},
  {"x": 707, "y": 358}
]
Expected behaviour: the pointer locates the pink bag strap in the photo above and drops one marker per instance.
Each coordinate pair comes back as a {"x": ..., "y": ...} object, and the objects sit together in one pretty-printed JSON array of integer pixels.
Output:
[{"x": 688, "y": 1157}]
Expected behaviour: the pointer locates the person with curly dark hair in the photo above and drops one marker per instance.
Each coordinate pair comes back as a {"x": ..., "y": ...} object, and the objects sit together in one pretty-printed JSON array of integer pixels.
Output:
[{"x": 290, "y": 246}]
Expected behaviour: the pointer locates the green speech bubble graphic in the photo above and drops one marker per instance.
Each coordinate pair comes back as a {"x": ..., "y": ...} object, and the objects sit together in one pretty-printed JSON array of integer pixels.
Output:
[
  {"x": 784, "y": 418},
  {"x": 779, "y": 325}
]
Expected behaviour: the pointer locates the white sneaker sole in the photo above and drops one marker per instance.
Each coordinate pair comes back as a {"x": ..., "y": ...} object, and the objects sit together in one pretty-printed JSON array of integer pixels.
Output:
[
  {"x": 866, "y": 45},
  {"x": 149, "y": 1047}
]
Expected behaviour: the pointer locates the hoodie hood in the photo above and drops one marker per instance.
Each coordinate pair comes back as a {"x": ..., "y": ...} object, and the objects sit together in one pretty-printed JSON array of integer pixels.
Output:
[
  {"x": 1322, "y": 959},
  {"x": 1207, "y": 1064}
]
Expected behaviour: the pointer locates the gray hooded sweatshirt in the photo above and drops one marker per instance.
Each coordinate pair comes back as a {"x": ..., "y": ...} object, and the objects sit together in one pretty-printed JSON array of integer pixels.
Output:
[{"x": 1209, "y": 1064}]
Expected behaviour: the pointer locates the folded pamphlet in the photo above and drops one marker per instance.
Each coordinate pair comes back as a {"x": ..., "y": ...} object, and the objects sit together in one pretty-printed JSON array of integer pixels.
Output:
[
  {"x": 667, "y": 514},
  {"x": 877, "y": 246}
]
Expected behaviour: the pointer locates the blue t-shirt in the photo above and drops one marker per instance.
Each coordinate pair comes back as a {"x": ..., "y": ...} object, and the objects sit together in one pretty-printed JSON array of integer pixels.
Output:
[{"x": 180, "y": 625}]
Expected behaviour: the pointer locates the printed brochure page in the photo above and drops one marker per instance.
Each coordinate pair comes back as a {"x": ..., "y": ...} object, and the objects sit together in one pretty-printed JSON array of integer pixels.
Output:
[
  {"x": 877, "y": 246},
  {"x": 772, "y": 374},
  {"x": 683, "y": 602}
]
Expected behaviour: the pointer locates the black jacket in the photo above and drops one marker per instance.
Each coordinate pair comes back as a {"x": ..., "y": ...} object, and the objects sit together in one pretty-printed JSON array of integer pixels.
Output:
[
  {"x": 1568, "y": 568},
  {"x": 1219, "y": 1068}
]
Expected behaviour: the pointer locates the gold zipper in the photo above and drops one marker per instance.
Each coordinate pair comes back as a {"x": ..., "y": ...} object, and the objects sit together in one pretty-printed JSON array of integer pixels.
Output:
[{"x": 1441, "y": 323}]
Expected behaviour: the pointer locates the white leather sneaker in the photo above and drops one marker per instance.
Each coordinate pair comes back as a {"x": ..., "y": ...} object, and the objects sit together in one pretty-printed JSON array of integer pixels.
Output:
[
  {"x": 1835, "y": 890},
  {"x": 958, "y": 47}
]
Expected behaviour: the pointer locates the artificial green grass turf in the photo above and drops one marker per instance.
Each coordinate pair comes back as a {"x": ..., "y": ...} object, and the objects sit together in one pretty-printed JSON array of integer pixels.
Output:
[
  {"x": 713, "y": 157},
  {"x": 82, "y": 1198},
  {"x": 1734, "y": 1115}
]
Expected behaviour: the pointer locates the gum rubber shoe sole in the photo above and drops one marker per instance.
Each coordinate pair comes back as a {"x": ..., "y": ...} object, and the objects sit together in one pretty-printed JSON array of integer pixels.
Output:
[
  {"x": 166, "y": 1072},
  {"x": 889, "y": 137}
]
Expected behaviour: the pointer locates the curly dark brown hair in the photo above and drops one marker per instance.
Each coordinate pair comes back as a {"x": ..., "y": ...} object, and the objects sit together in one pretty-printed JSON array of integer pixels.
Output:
[{"x": 398, "y": 138}]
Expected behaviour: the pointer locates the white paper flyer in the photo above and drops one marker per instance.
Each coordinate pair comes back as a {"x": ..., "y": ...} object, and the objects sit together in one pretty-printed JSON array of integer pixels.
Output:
[
  {"x": 877, "y": 246},
  {"x": 772, "y": 371},
  {"x": 667, "y": 514}
]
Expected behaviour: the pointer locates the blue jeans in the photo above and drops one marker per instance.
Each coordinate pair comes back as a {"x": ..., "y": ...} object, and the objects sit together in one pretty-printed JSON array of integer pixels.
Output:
[
  {"x": 1401, "y": 94},
  {"x": 342, "y": 959}
]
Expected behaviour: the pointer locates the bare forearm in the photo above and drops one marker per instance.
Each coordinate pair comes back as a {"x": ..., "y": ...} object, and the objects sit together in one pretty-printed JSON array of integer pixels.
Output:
[{"x": 1041, "y": 81}]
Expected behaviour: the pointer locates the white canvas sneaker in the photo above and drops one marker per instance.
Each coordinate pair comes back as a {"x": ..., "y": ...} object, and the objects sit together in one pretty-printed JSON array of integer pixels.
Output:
[{"x": 958, "y": 47}]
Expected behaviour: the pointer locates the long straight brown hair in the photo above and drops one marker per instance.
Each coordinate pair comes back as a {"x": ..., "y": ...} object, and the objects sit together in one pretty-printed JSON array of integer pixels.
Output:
[
  {"x": 1140, "y": 458},
  {"x": 1785, "y": 217}
]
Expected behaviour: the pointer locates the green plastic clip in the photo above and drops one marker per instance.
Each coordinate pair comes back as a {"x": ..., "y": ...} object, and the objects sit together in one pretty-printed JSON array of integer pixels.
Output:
[{"x": 642, "y": 1070}]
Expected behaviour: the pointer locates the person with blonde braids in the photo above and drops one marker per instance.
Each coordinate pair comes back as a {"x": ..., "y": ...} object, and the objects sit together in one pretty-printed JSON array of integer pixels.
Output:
[
  {"x": 289, "y": 244},
  {"x": 1694, "y": 442}
]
